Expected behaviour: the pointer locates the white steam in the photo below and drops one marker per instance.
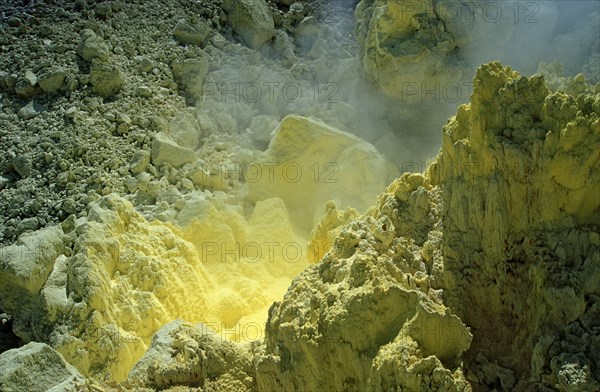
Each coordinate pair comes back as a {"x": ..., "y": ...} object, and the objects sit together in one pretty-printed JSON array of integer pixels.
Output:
[{"x": 314, "y": 71}]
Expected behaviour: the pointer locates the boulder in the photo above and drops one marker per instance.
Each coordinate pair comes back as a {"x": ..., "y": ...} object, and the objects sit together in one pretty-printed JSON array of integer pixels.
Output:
[
  {"x": 252, "y": 20},
  {"x": 404, "y": 44},
  {"x": 52, "y": 81},
  {"x": 309, "y": 162},
  {"x": 165, "y": 150},
  {"x": 26, "y": 85},
  {"x": 189, "y": 32},
  {"x": 24, "y": 268},
  {"x": 92, "y": 46},
  {"x": 190, "y": 74},
  {"x": 139, "y": 162},
  {"x": 106, "y": 79},
  {"x": 31, "y": 110},
  {"x": 182, "y": 354},
  {"x": 36, "y": 367}
]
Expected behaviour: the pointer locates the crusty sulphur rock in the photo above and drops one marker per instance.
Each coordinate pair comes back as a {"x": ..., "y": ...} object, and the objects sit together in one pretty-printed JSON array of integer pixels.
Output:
[
  {"x": 187, "y": 354},
  {"x": 330, "y": 225},
  {"x": 99, "y": 293},
  {"x": 190, "y": 75},
  {"x": 521, "y": 189},
  {"x": 400, "y": 364},
  {"x": 100, "y": 306},
  {"x": 403, "y": 44},
  {"x": 193, "y": 32},
  {"x": 106, "y": 79},
  {"x": 419, "y": 51},
  {"x": 501, "y": 231},
  {"x": 126, "y": 278},
  {"x": 366, "y": 317},
  {"x": 92, "y": 46},
  {"x": 309, "y": 163},
  {"x": 252, "y": 20},
  {"x": 342, "y": 321},
  {"x": 166, "y": 150},
  {"x": 25, "y": 267},
  {"x": 36, "y": 367}
]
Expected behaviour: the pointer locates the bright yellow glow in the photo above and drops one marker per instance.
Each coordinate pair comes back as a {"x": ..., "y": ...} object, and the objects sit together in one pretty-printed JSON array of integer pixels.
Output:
[
  {"x": 250, "y": 264},
  {"x": 129, "y": 277},
  {"x": 215, "y": 263}
]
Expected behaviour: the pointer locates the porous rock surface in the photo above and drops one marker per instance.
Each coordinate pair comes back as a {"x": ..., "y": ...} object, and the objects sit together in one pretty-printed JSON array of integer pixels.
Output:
[
  {"x": 481, "y": 273},
  {"x": 309, "y": 162},
  {"x": 521, "y": 190},
  {"x": 411, "y": 48},
  {"x": 194, "y": 355},
  {"x": 416, "y": 295},
  {"x": 405, "y": 42},
  {"x": 36, "y": 367}
]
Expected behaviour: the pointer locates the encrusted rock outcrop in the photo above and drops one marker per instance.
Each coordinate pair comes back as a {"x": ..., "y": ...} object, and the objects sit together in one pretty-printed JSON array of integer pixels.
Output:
[{"x": 520, "y": 174}]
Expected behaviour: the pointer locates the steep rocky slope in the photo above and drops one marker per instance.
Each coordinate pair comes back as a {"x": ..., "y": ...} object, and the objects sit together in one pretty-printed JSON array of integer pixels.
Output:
[
  {"x": 503, "y": 229},
  {"x": 470, "y": 301},
  {"x": 154, "y": 211},
  {"x": 413, "y": 49},
  {"x": 521, "y": 179}
]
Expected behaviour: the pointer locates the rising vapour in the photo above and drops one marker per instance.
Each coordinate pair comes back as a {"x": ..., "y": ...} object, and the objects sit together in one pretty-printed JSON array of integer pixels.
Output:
[{"x": 520, "y": 34}]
